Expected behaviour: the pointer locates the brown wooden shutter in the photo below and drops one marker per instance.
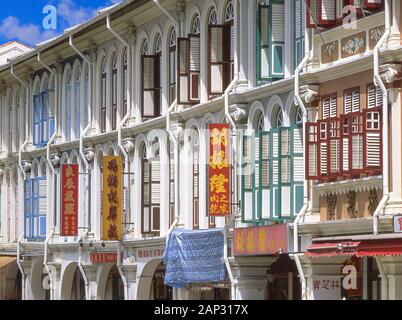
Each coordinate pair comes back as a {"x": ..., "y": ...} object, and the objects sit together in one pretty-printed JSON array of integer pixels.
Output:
[
  {"x": 219, "y": 55},
  {"x": 183, "y": 73},
  {"x": 150, "y": 86},
  {"x": 195, "y": 67}
]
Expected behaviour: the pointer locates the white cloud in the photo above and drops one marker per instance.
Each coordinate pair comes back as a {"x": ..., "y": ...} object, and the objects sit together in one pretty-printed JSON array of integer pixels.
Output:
[
  {"x": 11, "y": 29},
  {"x": 68, "y": 14}
]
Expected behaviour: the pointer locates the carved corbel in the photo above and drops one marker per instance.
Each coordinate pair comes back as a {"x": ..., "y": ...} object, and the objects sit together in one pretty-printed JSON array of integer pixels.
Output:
[
  {"x": 26, "y": 166},
  {"x": 309, "y": 93},
  {"x": 391, "y": 72},
  {"x": 239, "y": 113},
  {"x": 89, "y": 154},
  {"x": 351, "y": 196},
  {"x": 55, "y": 159},
  {"x": 132, "y": 34},
  {"x": 181, "y": 10},
  {"x": 59, "y": 64},
  {"x": 93, "y": 52},
  {"x": 128, "y": 145}
]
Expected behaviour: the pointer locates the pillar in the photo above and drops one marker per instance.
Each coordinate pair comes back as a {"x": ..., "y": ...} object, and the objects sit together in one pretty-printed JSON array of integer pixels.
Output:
[{"x": 130, "y": 271}]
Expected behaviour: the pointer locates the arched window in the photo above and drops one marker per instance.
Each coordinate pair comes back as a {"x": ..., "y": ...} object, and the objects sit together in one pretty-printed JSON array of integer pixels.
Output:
[
  {"x": 172, "y": 66},
  {"x": 145, "y": 48},
  {"x": 68, "y": 107},
  {"x": 103, "y": 77},
  {"x": 150, "y": 194},
  {"x": 114, "y": 92},
  {"x": 299, "y": 116},
  {"x": 125, "y": 83},
  {"x": 196, "y": 182},
  {"x": 77, "y": 103}
]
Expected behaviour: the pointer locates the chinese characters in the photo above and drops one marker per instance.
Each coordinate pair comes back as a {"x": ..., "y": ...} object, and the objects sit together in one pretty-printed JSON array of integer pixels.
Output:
[{"x": 69, "y": 200}]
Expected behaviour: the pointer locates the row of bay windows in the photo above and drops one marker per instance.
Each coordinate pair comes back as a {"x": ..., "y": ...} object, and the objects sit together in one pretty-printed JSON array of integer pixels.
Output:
[
  {"x": 331, "y": 13},
  {"x": 346, "y": 145},
  {"x": 272, "y": 172}
]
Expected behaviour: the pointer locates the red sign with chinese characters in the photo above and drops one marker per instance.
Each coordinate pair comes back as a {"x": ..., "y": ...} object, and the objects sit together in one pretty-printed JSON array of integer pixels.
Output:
[
  {"x": 104, "y": 257},
  {"x": 261, "y": 240},
  {"x": 219, "y": 170},
  {"x": 69, "y": 200}
]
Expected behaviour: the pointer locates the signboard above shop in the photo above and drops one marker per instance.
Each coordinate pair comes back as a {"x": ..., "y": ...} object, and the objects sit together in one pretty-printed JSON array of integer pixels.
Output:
[{"x": 268, "y": 240}]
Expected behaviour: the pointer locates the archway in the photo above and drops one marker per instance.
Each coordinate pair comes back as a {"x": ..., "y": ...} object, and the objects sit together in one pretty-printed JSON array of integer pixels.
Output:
[
  {"x": 151, "y": 284},
  {"x": 12, "y": 281},
  {"x": 72, "y": 285},
  {"x": 114, "y": 285}
]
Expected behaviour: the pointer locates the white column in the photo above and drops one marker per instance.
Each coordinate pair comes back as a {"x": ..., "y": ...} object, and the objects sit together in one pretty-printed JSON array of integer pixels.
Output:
[
  {"x": 136, "y": 194},
  {"x": 164, "y": 186},
  {"x": 186, "y": 181},
  {"x": 252, "y": 16}
]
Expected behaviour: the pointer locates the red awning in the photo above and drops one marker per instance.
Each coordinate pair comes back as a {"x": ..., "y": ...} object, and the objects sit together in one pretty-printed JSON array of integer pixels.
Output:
[
  {"x": 332, "y": 249},
  {"x": 365, "y": 248}
]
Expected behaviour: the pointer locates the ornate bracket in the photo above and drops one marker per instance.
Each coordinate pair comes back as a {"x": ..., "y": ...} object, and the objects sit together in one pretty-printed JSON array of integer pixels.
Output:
[
  {"x": 93, "y": 52},
  {"x": 373, "y": 201},
  {"x": 181, "y": 10},
  {"x": 26, "y": 166},
  {"x": 132, "y": 34},
  {"x": 89, "y": 154},
  {"x": 128, "y": 145},
  {"x": 351, "y": 196},
  {"x": 239, "y": 113},
  {"x": 55, "y": 159},
  {"x": 59, "y": 64},
  {"x": 309, "y": 93},
  {"x": 391, "y": 72}
]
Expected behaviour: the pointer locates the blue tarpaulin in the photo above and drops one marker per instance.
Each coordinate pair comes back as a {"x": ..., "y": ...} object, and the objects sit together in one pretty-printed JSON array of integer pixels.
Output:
[{"x": 194, "y": 256}]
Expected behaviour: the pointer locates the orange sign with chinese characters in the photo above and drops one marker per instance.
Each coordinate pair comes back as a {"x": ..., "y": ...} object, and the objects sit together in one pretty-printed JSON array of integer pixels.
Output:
[
  {"x": 219, "y": 170},
  {"x": 112, "y": 198},
  {"x": 69, "y": 200},
  {"x": 256, "y": 241}
]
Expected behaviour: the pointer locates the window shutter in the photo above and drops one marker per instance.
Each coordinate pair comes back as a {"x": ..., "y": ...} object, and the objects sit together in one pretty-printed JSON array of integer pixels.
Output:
[
  {"x": 326, "y": 104},
  {"x": 373, "y": 4},
  {"x": 345, "y": 131},
  {"x": 312, "y": 13},
  {"x": 36, "y": 112},
  {"x": 278, "y": 38},
  {"x": 28, "y": 208},
  {"x": 248, "y": 185},
  {"x": 219, "y": 54},
  {"x": 263, "y": 61},
  {"x": 264, "y": 168},
  {"x": 371, "y": 97},
  {"x": 275, "y": 173},
  {"x": 45, "y": 115},
  {"x": 285, "y": 188},
  {"x": 348, "y": 102},
  {"x": 311, "y": 165},
  {"x": 42, "y": 207},
  {"x": 373, "y": 141},
  {"x": 333, "y": 107},
  {"x": 327, "y": 12},
  {"x": 150, "y": 86},
  {"x": 155, "y": 196},
  {"x": 195, "y": 67},
  {"x": 357, "y": 142},
  {"x": 172, "y": 75},
  {"x": 323, "y": 148},
  {"x": 334, "y": 147},
  {"x": 300, "y": 26},
  {"x": 52, "y": 111},
  {"x": 183, "y": 71},
  {"x": 297, "y": 170},
  {"x": 339, "y": 10}
]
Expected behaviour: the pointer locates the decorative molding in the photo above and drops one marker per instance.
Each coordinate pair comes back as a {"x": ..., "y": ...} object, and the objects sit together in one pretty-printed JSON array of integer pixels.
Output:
[
  {"x": 129, "y": 145},
  {"x": 59, "y": 64},
  {"x": 331, "y": 203},
  {"x": 93, "y": 52},
  {"x": 343, "y": 187},
  {"x": 55, "y": 159},
  {"x": 239, "y": 113},
  {"x": 310, "y": 93},
  {"x": 26, "y": 166},
  {"x": 132, "y": 34},
  {"x": 330, "y": 52},
  {"x": 89, "y": 154},
  {"x": 181, "y": 10},
  {"x": 391, "y": 72},
  {"x": 353, "y": 45},
  {"x": 375, "y": 35}
]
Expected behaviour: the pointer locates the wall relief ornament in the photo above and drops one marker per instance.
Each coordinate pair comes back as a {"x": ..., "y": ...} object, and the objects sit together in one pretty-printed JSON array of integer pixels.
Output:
[
  {"x": 373, "y": 201},
  {"x": 331, "y": 203},
  {"x": 352, "y": 212}
]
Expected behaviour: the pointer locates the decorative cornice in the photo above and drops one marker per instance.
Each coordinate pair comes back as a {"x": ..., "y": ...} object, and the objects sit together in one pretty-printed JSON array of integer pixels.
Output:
[{"x": 343, "y": 187}]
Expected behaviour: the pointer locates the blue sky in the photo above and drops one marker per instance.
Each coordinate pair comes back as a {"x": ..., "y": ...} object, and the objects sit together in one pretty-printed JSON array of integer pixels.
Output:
[{"x": 22, "y": 19}]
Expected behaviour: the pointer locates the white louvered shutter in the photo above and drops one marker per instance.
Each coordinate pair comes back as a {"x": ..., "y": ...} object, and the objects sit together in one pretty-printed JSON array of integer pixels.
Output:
[
  {"x": 334, "y": 145},
  {"x": 298, "y": 170},
  {"x": 373, "y": 140},
  {"x": 339, "y": 9},
  {"x": 327, "y": 13},
  {"x": 311, "y": 164},
  {"x": 148, "y": 83},
  {"x": 155, "y": 196},
  {"x": 264, "y": 42},
  {"x": 323, "y": 148},
  {"x": 348, "y": 102},
  {"x": 355, "y": 101},
  {"x": 371, "y": 97},
  {"x": 42, "y": 208},
  {"x": 265, "y": 176},
  {"x": 312, "y": 13},
  {"x": 278, "y": 38},
  {"x": 276, "y": 172},
  {"x": 285, "y": 155},
  {"x": 326, "y": 108},
  {"x": 333, "y": 107}
]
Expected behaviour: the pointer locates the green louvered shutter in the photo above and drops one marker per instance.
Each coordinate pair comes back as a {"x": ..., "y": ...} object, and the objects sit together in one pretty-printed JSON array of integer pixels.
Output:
[
  {"x": 297, "y": 164},
  {"x": 277, "y": 38},
  {"x": 248, "y": 185},
  {"x": 263, "y": 40},
  {"x": 285, "y": 186},
  {"x": 300, "y": 27}
]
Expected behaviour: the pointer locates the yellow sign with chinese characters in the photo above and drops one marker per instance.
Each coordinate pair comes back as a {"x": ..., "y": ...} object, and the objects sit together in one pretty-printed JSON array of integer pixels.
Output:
[{"x": 112, "y": 211}]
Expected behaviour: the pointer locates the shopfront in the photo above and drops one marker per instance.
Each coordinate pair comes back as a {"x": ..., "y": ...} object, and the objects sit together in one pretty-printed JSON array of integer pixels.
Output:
[{"x": 264, "y": 250}]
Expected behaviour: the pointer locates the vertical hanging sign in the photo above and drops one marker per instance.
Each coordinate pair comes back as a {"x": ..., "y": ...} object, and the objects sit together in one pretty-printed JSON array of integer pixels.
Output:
[
  {"x": 112, "y": 198},
  {"x": 219, "y": 170},
  {"x": 69, "y": 200}
]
